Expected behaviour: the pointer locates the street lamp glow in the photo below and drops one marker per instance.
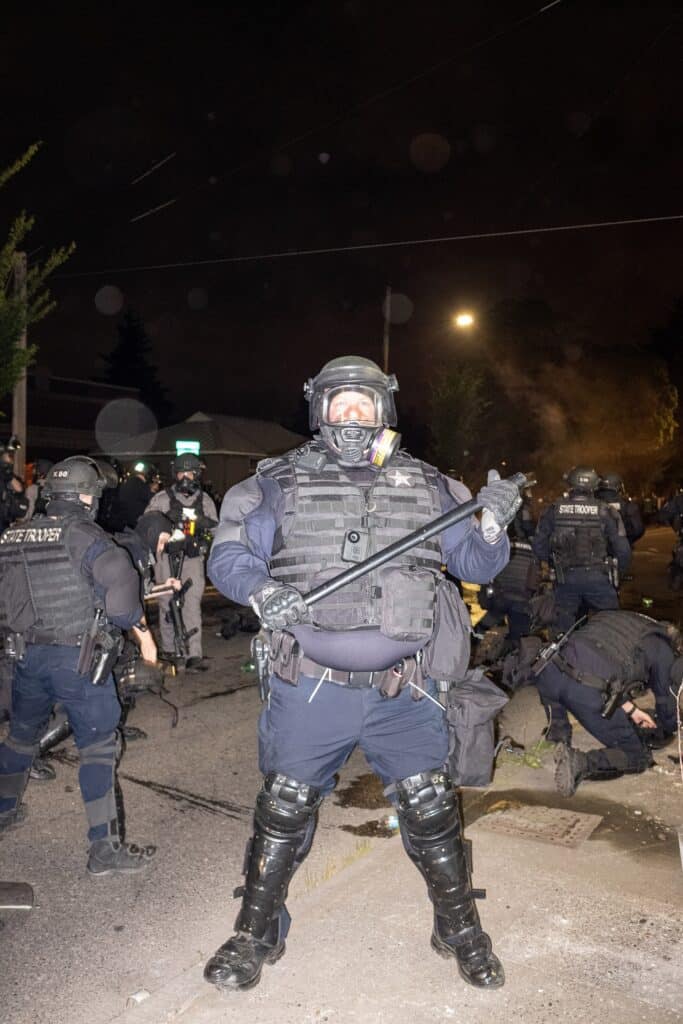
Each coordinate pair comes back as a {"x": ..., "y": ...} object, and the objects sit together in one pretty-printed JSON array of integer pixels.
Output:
[{"x": 463, "y": 320}]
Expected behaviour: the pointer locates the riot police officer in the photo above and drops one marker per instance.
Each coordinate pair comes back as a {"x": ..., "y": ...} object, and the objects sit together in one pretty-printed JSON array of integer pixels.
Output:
[
  {"x": 508, "y": 596},
  {"x": 585, "y": 542},
  {"x": 192, "y": 510},
  {"x": 13, "y": 501},
  {"x": 66, "y": 590},
  {"x": 611, "y": 491},
  {"x": 14, "y": 505},
  {"x": 594, "y": 676},
  {"x": 344, "y": 675},
  {"x": 144, "y": 545}
]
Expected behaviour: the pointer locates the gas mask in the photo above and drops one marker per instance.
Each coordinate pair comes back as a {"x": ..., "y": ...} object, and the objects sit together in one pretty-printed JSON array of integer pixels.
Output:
[
  {"x": 352, "y": 425},
  {"x": 187, "y": 485}
]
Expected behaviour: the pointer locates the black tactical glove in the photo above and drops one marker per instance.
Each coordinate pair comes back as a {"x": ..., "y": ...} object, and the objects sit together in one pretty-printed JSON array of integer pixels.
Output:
[
  {"x": 501, "y": 498},
  {"x": 278, "y": 605}
]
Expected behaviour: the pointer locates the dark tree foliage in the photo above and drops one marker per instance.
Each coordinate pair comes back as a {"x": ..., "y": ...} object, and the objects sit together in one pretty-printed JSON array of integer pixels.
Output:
[{"x": 130, "y": 364}]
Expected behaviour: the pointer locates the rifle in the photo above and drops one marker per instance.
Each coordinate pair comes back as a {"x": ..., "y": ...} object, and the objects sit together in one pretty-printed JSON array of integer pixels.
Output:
[
  {"x": 547, "y": 653},
  {"x": 181, "y": 635}
]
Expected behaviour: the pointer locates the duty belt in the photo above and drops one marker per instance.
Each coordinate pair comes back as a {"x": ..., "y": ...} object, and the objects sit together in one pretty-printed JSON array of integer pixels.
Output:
[{"x": 355, "y": 680}]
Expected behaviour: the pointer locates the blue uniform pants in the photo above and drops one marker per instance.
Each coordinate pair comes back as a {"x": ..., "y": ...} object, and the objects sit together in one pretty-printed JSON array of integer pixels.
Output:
[
  {"x": 582, "y": 591},
  {"x": 622, "y": 747},
  {"x": 45, "y": 676},
  {"x": 310, "y": 739}
]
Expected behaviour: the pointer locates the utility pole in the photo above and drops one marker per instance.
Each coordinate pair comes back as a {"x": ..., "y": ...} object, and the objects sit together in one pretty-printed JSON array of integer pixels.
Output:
[
  {"x": 385, "y": 339},
  {"x": 19, "y": 395}
]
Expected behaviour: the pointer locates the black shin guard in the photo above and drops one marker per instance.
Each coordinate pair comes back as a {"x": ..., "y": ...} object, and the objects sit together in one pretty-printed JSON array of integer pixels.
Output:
[
  {"x": 432, "y": 835},
  {"x": 284, "y": 824}
]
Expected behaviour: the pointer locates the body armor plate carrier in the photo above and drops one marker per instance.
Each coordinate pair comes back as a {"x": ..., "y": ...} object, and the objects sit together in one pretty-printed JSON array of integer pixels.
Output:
[
  {"x": 323, "y": 506},
  {"x": 616, "y": 636},
  {"x": 578, "y": 539},
  {"x": 44, "y": 596},
  {"x": 519, "y": 578}
]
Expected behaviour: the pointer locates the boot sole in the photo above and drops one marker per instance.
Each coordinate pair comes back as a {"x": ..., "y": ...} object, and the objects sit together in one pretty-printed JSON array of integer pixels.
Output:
[
  {"x": 563, "y": 776},
  {"x": 116, "y": 871},
  {"x": 448, "y": 953},
  {"x": 272, "y": 958}
]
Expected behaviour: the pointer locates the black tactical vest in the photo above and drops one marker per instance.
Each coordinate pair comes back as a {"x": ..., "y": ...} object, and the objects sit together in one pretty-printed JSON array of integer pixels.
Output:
[
  {"x": 617, "y": 636},
  {"x": 578, "y": 539},
  {"x": 175, "y": 514},
  {"x": 519, "y": 578},
  {"x": 43, "y": 595},
  {"x": 324, "y": 506}
]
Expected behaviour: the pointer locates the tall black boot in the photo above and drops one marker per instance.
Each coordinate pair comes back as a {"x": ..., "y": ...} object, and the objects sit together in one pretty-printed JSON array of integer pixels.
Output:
[
  {"x": 284, "y": 823},
  {"x": 432, "y": 835}
]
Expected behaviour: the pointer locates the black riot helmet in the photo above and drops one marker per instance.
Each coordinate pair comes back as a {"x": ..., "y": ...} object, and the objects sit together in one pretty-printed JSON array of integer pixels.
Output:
[
  {"x": 187, "y": 463},
  {"x": 111, "y": 477},
  {"x": 583, "y": 479},
  {"x": 76, "y": 475},
  {"x": 352, "y": 405},
  {"x": 612, "y": 482}
]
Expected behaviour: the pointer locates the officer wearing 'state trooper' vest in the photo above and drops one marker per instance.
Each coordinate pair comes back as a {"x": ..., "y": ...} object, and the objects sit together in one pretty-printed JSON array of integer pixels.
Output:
[
  {"x": 345, "y": 674},
  {"x": 63, "y": 583},
  {"x": 585, "y": 541}
]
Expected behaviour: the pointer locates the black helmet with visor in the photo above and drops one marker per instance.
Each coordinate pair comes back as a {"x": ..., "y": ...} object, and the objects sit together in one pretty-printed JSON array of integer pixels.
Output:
[{"x": 352, "y": 405}]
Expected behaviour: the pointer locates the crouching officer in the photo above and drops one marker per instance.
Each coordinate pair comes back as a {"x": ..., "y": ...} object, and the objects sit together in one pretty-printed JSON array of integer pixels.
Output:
[
  {"x": 585, "y": 543},
  {"x": 66, "y": 591},
  {"x": 301, "y": 520},
  {"x": 594, "y": 675}
]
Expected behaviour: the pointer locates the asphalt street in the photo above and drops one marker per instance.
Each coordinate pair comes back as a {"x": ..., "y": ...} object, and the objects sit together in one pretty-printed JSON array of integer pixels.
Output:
[{"x": 591, "y": 933}]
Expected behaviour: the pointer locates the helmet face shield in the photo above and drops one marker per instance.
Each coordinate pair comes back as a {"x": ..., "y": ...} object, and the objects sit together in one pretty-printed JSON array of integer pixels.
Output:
[{"x": 352, "y": 404}]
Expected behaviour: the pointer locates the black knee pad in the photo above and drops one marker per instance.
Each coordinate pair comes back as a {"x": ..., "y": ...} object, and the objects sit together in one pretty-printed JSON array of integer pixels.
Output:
[
  {"x": 428, "y": 805},
  {"x": 285, "y": 805}
]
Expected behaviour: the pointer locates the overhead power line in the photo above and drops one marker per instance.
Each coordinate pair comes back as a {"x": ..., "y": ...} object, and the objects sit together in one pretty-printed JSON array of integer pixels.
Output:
[{"x": 368, "y": 246}]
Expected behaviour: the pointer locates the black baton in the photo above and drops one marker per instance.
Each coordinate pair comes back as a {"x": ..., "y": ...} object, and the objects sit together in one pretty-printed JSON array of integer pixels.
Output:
[{"x": 411, "y": 540}]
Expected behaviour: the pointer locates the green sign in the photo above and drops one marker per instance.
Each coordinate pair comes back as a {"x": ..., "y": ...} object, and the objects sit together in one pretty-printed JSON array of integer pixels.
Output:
[{"x": 187, "y": 446}]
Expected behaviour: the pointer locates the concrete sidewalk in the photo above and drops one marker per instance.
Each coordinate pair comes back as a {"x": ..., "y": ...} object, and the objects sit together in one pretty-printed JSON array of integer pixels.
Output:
[
  {"x": 586, "y": 935},
  {"x": 590, "y": 934},
  {"x": 594, "y": 931}
]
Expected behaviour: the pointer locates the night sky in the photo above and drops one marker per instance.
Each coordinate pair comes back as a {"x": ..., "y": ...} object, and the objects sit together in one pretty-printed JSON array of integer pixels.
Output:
[{"x": 316, "y": 125}]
